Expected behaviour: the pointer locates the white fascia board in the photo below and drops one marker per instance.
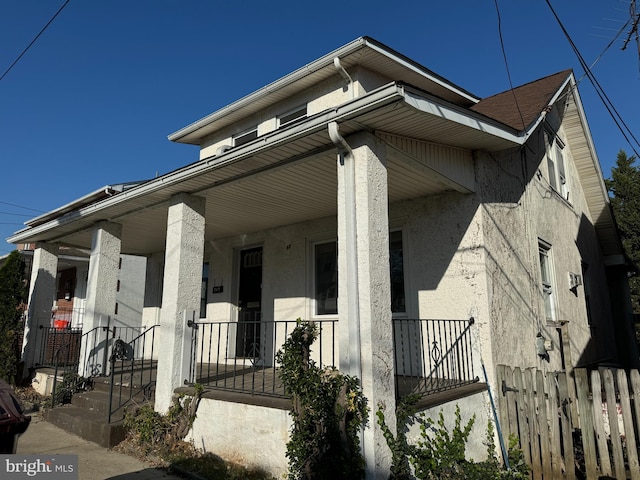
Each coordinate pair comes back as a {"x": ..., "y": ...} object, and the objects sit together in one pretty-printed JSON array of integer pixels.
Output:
[
  {"x": 382, "y": 96},
  {"x": 325, "y": 61},
  {"x": 410, "y": 65},
  {"x": 272, "y": 87},
  {"x": 71, "y": 205},
  {"x": 439, "y": 108}
]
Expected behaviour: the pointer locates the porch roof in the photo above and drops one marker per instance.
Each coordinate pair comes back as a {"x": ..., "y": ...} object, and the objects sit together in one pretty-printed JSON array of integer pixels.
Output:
[{"x": 286, "y": 176}]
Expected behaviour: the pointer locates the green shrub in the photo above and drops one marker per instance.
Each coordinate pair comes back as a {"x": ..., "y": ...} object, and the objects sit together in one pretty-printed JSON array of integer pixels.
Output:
[
  {"x": 162, "y": 434},
  {"x": 13, "y": 294},
  {"x": 440, "y": 454},
  {"x": 328, "y": 413}
]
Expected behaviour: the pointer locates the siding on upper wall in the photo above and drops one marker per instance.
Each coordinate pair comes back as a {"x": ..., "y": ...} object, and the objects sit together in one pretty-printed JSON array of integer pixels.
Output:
[
  {"x": 318, "y": 98},
  {"x": 454, "y": 163}
]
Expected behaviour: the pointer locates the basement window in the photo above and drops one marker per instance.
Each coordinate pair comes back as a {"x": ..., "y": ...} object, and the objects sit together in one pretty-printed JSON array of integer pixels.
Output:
[{"x": 245, "y": 137}]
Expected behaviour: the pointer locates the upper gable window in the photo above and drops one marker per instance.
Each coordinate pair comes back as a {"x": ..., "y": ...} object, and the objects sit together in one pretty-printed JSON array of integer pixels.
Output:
[
  {"x": 292, "y": 116},
  {"x": 556, "y": 166},
  {"x": 245, "y": 137}
]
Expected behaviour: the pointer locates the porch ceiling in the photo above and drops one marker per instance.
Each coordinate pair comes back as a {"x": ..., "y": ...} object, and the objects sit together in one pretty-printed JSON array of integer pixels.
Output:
[
  {"x": 293, "y": 193},
  {"x": 282, "y": 178}
]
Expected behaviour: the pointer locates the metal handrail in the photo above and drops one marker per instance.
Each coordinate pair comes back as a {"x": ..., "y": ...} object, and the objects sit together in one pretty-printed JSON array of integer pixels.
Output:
[
  {"x": 241, "y": 356},
  {"x": 432, "y": 356},
  {"x": 126, "y": 352}
]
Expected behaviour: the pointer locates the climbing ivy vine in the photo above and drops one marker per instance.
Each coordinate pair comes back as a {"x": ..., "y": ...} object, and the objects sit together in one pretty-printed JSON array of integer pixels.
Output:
[{"x": 328, "y": 413}]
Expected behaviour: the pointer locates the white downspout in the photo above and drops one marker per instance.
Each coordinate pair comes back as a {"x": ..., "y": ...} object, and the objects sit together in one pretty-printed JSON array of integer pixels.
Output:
[
  {"x": 346, "y": 159},
  {"x": 345, "y": 75}
]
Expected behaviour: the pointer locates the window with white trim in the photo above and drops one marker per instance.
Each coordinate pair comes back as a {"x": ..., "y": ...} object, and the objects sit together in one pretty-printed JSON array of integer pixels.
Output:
[
  {"x": 292, "y": 116},
  {"x": 325, "y": 261},
  {"x": 325, "y": 265},
  {"x": 547, "y": 282},
  {"x": 556, "y": 166},
  {"x": 245, "y": 137}
]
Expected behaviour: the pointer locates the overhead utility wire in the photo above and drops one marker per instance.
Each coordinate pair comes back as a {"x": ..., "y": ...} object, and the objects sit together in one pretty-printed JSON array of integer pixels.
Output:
[
  {"x": 617, "y": 119},
  {"x": 20, "y": 206},
  {"x": 606, "y": 48},
  {"x": 34, "y": 40},
  {"x": 15, "y": 214},
  {"x": 506, "y": 64}
]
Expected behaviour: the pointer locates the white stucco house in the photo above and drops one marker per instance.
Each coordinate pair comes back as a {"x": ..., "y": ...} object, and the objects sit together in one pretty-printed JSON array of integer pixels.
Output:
[{"x": 427, "y": 230}]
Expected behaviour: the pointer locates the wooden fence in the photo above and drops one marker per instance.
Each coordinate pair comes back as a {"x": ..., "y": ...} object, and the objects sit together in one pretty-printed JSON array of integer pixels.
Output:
[{"x": 573, "y": 425}]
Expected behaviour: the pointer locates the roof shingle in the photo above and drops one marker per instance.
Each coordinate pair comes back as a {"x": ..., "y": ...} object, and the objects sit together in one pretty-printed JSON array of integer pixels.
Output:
[{"x": 519, "y": 107}]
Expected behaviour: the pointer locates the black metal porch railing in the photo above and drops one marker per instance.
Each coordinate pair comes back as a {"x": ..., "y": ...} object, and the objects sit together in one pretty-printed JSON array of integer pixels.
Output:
[
  {"x": 89, "y": 350},
  {"x": 241, "y": 356},
  {"x": 432, "y": 356},
  {"x": 132, "y": 372}
]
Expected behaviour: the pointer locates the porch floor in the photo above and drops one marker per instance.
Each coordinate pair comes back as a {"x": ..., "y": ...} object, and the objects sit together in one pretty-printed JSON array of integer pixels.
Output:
[{"x": 254, "y": 384}]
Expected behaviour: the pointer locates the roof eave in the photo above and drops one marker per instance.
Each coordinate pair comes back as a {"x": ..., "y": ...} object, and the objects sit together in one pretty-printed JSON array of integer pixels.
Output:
[{"x": 189, "y": 134}]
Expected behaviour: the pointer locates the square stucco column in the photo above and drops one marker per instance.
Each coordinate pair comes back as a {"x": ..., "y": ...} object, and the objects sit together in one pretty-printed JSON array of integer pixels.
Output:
[
  {"x": 102, "y": 282},
  {"x": 365, "y": 327},
  {"x": 180, "y": 293},
  {"x": 42, "y": 292}
]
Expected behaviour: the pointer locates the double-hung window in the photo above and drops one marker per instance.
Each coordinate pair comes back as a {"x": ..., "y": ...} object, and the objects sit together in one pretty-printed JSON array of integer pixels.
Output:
[
  {"x": 325, "y": 264},
  {"x": 547, "y": 283},
  {"x": 556, "y": 166}
]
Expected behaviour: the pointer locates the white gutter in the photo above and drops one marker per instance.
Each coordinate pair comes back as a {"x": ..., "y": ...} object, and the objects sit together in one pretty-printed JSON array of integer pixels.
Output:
[
  {"x": 323, "y": 62},
  {"x": 360, "y": 105},
  {"x": 405, "y": 62},
  {"x": 89, "y": 197},
  {"x": 272, "y": 87},
  {"x": 437, "y": 107}
]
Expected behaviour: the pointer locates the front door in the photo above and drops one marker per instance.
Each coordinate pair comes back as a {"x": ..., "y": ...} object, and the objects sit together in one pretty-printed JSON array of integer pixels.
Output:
[{"x": 249, "y": 303}]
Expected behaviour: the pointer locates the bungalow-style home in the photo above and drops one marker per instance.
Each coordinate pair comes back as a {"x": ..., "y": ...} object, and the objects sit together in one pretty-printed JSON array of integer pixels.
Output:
[{"x": 432, "y": 234}]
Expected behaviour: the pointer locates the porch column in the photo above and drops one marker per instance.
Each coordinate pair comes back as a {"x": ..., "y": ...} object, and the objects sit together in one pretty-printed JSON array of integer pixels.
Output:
[
  {"x": 184, "y": 254},
  {"x": 104, "y": 264},
  {"x": 365, "y": 327},
  {"x": 42, "y": 291}
]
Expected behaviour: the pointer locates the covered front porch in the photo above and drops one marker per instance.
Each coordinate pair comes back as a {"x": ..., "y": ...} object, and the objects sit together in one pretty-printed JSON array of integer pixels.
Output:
[{"x": 308, "y": 223}]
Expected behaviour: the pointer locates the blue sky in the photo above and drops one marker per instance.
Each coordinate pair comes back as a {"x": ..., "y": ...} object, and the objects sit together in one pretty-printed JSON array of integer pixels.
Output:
[{"x": 93, "y": 100}]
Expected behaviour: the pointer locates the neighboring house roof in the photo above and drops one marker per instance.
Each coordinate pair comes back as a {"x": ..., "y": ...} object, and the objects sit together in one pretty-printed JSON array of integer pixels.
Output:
[
  {"x": 520, "y": 107},
  {"x": 88, "y": 199}
]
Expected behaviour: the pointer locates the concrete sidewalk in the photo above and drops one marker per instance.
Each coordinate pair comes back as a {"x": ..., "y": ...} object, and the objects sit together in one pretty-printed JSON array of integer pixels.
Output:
[{"x": 94, "y": 462}]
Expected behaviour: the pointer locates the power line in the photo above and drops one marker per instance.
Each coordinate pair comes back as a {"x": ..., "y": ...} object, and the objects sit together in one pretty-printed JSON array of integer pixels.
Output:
[
  {"x": 34, "y": 40},
  {"x": 506, "y": 63},
  {"x": 15, "y": 214},
  {"x": 607, "y": 47},
  {"x": 20, "y": 206},
  {"x": 617, "y": 118}
]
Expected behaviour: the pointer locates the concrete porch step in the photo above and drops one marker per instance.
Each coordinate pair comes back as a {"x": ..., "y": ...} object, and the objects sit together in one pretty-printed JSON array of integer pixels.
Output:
[
  {"x": 88, "y": 424},
  {"x": 87, "y": 415}
]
